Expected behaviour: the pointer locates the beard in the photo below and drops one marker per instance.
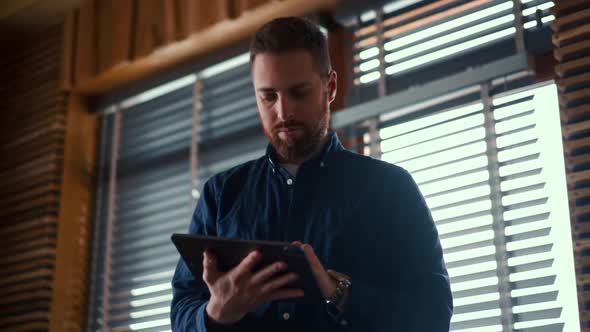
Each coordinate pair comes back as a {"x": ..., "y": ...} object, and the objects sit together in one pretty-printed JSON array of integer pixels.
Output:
[{"x": 291, "y": 150}]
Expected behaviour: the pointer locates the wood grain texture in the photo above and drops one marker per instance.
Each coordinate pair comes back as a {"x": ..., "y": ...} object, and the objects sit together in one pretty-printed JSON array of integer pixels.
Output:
[
  {"x": 571, "y": 39},
  {"x": 203, "y": 33},
  {"x": 68, "y": 306}
]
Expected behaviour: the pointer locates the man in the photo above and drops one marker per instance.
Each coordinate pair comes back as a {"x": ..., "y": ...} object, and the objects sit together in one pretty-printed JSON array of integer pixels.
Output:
[{"x": 361, "y": 217}]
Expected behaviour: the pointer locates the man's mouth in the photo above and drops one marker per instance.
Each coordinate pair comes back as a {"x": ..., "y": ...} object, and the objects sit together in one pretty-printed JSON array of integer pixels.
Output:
[{"x": 289, "y": 129}]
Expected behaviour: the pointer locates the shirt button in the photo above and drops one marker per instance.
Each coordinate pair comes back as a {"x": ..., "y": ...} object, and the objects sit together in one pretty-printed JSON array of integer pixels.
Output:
[
  {"x": 289, "y": 181},
  {"x": 286, "y": 316},
  {"x": 322, "y": 164},
  {"x": 343, "y": 322}
]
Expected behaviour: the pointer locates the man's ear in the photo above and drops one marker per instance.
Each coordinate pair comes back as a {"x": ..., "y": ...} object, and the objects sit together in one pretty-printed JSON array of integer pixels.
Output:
[{"x": 332, "y": 85}]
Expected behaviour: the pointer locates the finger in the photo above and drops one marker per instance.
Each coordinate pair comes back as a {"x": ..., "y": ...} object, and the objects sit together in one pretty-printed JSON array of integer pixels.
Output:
[
  {"x": 210, "y": 271},
  {"x": 297, "y": 243},
  {"x": 283, "y": 294},
  {"x": 314, "y": 262},
  {"x": 267, "y": 272},
  {"x": 278, "y": 282},
  {"x": 317, "y": 268},
  {"x": 246, "y": 265}
]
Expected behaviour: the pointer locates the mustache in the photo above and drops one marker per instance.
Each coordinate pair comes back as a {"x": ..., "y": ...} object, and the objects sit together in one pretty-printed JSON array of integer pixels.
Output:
[{"x": 288, "y": 124}]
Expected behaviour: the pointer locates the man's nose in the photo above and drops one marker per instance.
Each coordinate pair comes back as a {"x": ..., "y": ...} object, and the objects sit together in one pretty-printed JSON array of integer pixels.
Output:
[{"x": 285, "y": 108}]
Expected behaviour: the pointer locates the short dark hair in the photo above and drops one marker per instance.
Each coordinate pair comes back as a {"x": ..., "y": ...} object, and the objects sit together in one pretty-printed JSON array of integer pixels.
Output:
[{"x": 286, "y": 34}]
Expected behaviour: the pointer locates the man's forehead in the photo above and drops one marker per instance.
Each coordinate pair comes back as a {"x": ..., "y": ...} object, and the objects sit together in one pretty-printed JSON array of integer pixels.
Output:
[
  {"x": 294, "y": 63},
  {"x": 295, "y": 86},
  {"x": 283, "y": 70}
]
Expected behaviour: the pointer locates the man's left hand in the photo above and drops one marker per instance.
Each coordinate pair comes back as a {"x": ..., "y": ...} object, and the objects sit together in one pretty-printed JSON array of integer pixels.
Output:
[{"x": 326, "y": 283}]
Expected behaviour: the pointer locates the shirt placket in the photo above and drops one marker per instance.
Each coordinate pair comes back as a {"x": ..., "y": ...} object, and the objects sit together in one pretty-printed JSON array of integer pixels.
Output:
[{"x": 286, "y": 310}]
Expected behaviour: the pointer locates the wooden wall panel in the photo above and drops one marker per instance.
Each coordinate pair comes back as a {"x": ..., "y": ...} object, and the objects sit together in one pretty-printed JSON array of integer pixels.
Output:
[
  {"x": 86, "y": 46},
  {"x": 123, "y": 20},
  {"x": 242, "y": 6},
  {"x": 147, "y": 36},
  {"x": 31, "y": 140},
  {"x": 125, "y": 40},
  {"x": 571, "y": 39}
]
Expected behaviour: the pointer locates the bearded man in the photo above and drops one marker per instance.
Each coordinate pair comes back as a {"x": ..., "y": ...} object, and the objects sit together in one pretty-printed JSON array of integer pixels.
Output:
[{"x": 363, "y": 224}]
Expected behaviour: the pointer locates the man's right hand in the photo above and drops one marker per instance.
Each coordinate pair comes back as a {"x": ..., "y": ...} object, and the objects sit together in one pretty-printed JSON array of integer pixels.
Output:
[{"x": 239, "y": 291}]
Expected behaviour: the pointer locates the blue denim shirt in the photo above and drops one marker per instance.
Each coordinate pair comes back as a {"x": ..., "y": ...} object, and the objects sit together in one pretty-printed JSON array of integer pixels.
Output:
[{"x": 364, "y": 217}]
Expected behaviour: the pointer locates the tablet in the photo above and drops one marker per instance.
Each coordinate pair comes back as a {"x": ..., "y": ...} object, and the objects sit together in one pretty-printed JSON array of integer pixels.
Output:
[{"x": 230, "y": 252}]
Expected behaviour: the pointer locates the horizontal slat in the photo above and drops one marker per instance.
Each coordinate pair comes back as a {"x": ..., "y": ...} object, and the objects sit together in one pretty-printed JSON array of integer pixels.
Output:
[
  {"x": 574, "y": 19},
  {"x": 571, "y": 36},
  {"x": 173, "y": 213},
  {"x": 36, "y": 203},
  {"x": 24, "y": 307},
  {"x": 16, "y": 240},
  {"x": 28, "y": 246},
  {"x": 130, "y": 259},
  {"x": 566, "y": 99},
  {"x": 150, "y": 185},
  {"x": 9, "y": 323},
  {"x": 20, "y": 179},
  {"x": 50, "y": 147},
  {"x": 30, "y": 127},
  {"x": 29, "y": 138},
  {"x": 150, "y": 179},
  {"x": 51, "y": 157},
  {"x": 411, "y": 14},
  {"x": 575, "y": 178},
  {"x": 31, "y": 147},
  {"x": 33, "y": 269},
  {"x": 14, "y": 185},
  {"x": 174, "y": 225},
  {"x": 25, "y": 287},
  {"x": 26, "y": 226},
  {"x": 41, "y": 294},
  {"x": 155, "y": 264},
  {"x": 574, "y": 82},
  {"x": 147, "y": 211},
  {"x": 576, "y": 128},
  {"x": 573, "y": 51},
  {"x": 577, "y": 162},
  {"x": 569, "y": 115},
  {"x": 38, "y": 253},
  {"x": 42, "y": 190},
  {"x": 579, "y": 211},
  {"x": 571, "y": 147},
  {"x": 125, "y": 285},
  {"x": 562, "y": 7},
  {"x": 49, "y": 108}
]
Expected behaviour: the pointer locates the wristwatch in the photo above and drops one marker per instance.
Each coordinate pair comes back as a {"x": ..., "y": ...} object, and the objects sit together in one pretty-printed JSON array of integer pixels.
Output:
[{"x": 335, "y": 303}]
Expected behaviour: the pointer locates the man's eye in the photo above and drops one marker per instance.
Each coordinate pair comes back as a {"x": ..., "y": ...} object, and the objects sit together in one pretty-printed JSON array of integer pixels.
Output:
[
  {"x": 269, "y": 97},
  {"x": 299, "y": 94}
]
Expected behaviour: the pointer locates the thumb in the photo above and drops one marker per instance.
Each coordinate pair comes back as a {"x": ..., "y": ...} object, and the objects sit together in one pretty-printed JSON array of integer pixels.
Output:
[{"x": 210, "y": 271}]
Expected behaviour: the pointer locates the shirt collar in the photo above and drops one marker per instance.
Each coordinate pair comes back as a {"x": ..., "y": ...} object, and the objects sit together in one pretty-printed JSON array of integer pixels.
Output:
[{"x": 332, "y": 145}]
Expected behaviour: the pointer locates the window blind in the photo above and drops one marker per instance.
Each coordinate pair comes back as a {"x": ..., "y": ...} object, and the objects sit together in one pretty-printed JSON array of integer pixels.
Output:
[
  {"x": 408, "y": 43},
  {"x": 491, "y": 171},
  {"x": 146, "y": 191}
]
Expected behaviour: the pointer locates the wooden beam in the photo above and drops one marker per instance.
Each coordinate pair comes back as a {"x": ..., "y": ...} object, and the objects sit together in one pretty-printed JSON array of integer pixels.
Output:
[
  {"x": 215, "y": 37},
  {"x": 75, "y": 215}
]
